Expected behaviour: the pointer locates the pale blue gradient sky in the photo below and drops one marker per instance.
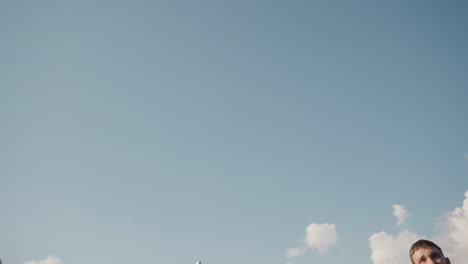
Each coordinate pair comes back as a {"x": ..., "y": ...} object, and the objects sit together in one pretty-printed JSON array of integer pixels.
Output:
[{"x": 177, "y": 131}]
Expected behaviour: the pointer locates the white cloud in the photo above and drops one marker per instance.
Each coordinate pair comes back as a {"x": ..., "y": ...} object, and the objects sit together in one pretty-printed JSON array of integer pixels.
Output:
[
  {"x": 319, "y": 237},
  {"x": 454, "y": 233},
  {"x": 400, "y": 212},
  {"x": 388, "y": 249},
  {"x": 466, "y": 156},
  {"x": 48, "y": 260},
  {"x": 453, "y": 238}
]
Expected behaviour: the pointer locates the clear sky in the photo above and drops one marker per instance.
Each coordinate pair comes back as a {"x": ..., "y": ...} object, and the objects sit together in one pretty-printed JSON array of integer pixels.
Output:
[{"x": 177, "y": 131}]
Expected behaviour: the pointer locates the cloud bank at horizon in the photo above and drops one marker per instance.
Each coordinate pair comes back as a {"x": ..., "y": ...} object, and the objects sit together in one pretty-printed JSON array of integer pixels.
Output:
[{"x": 48, "y": 260}]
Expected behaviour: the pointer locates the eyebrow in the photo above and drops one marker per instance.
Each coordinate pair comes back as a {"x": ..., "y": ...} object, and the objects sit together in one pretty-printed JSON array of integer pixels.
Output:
[{"x": 419, "y": 259}]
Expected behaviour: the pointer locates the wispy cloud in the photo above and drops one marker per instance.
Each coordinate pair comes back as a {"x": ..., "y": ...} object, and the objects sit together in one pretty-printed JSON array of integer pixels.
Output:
[
  {"x": 48, "y": 260},
  {"x": 453, "y": 238},
  {"x": 466, "y": 156},
  {"x": 400, "y": 212},
  {"x": 319, "y": 237},
  {"x": 294, "y": 252}
]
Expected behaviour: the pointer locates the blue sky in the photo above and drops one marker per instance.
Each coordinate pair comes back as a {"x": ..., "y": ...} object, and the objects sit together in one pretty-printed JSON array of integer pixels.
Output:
[{"x": 178, "y": 131}]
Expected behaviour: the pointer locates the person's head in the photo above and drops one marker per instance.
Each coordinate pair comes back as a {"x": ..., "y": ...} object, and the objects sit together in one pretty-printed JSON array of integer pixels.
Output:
[{"x": 427, "y": 252}]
